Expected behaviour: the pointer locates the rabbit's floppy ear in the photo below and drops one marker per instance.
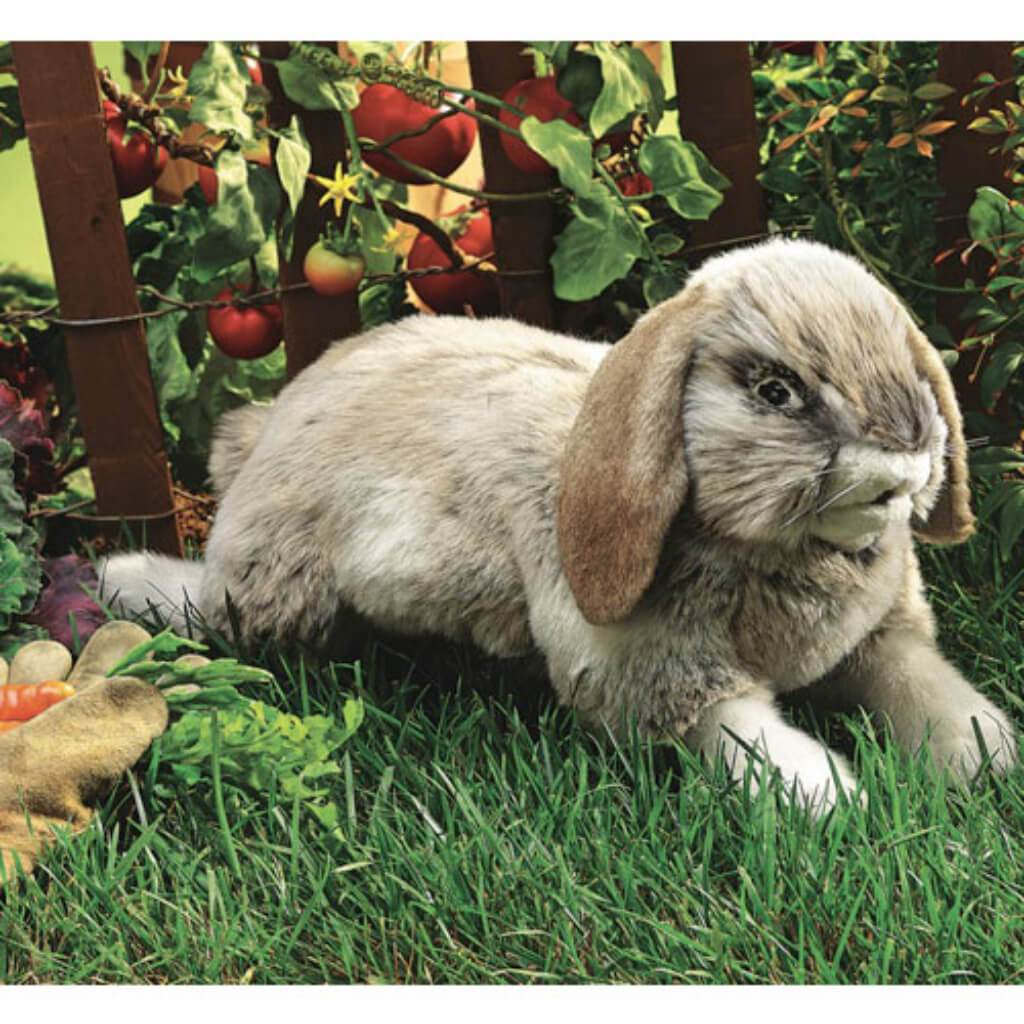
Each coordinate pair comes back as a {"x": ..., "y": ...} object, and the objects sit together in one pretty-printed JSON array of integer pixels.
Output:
[
  {"x": 623, "y": 476},
  {"x": 951, "y": 520}
]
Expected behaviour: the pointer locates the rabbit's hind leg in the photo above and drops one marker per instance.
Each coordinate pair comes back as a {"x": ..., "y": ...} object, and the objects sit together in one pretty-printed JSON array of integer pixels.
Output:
[{"x": 267, "y": 590}]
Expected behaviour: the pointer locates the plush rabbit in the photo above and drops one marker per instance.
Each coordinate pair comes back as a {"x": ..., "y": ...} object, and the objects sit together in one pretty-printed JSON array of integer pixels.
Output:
[{"x": 716, "y": 510}]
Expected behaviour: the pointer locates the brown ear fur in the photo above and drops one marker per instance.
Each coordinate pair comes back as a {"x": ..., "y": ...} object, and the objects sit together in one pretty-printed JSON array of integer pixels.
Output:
[
  {"x": 951, "y": 520},
  {"x": 623, "y": 473}
]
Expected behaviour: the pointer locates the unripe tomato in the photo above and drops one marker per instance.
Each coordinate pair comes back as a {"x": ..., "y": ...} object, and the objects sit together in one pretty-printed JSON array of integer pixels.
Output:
[
  {"x": 451, "y": 293},
  {"x": 540, "y": 98},
  {"x": 385, "y": 110},
  {"x": 245, "y": 332},
  {"x": 138, "y": 160},
  {"x": 208, "y": 183},
  {"x": 329, "y": 273}
]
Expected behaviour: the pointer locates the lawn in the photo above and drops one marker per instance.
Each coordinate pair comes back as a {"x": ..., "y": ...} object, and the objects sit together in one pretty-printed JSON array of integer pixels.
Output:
[{"x": 487, "y": 839}]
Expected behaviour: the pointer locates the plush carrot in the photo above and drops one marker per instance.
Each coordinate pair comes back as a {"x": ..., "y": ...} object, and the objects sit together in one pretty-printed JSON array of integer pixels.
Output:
[{"x": 20, "y": 702}]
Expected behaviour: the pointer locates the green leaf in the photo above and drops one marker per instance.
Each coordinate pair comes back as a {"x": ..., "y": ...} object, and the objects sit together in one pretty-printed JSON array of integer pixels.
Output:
[
  {"x": 219, "y": 84},
  {"x": 565, "y": 147},
  {"x": 239, "y": 224},
  {"x": 623, "y": 92},
  {"x": 667, "y": 244},
  {"x": 20, "y": 574},
  {"x": 931, "y": 91},
  {"x": 580, "y": 81},
  {"x": 309, "y": 87},
  {"x": 654, "y": 106},
  {"x": 142, "y": 51},
  {"x": 1002, "y": 365},
  {"x": 889, "y": 94},
  {"x": 172, "y": 376},
  {"x": 584, "y": 261},
  {"x": 992, "y": 221},
  {"x": 993, "y": 461},
  {"x": 293, "y": 161},
  {"x": 661, "y": 285},
  {"x": 1011, "y": 518},
  {"x": 557, "y": 53},
  {"x": 682, "y": 174},
  {"x": 379, "y": 257},
  {"x": 777, "y": 178}
]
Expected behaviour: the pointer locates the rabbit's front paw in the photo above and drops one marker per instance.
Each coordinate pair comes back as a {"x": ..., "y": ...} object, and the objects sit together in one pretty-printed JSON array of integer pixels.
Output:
[
  {"x": 813, "y": 775},
  {"x": 955, "y": 741}
]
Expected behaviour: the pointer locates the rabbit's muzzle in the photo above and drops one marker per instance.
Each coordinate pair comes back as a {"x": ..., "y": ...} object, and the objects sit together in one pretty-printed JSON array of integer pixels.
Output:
[{"x": 868, "y": 489}]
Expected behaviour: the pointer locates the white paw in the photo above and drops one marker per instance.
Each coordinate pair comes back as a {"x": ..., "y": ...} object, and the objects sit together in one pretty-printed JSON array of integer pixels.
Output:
[
  {"x": 749, "y": 734},
  {"x": 815, "y": 777},
  {"x": 955, "y": 741}
]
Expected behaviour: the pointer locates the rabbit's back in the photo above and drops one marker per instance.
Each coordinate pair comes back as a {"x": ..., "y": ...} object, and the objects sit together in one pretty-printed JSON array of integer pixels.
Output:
[{"x": 408, "y": 475}]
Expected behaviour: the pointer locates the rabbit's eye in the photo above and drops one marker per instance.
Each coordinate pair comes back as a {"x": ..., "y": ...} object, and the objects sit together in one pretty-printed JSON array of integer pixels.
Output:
[{"x": 778, "y": 393}]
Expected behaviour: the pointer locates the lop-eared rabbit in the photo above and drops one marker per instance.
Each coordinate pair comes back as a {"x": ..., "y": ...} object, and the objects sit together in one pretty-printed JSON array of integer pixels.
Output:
[{"x": 714, "y": 511}]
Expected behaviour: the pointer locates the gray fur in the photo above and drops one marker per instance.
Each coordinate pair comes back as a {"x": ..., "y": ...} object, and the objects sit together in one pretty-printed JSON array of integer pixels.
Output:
[{"x": 412, "y": 477}]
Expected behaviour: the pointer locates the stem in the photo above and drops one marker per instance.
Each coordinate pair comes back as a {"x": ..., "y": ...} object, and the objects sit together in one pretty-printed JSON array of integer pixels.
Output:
[
  {"x": 504, "y": 197},
  {"x": 487, "y": 119},
  {"x": 644, "y": 240},
  {"x": 158, "y": 70},
  {"x": 427, "y": 226},
  {"x": 483, "y": 97},
  {"x": 840, "y": 206}
]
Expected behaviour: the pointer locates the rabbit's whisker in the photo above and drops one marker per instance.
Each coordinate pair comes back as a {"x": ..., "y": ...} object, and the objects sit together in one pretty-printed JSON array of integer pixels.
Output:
[{"x": 835, "y": 497}]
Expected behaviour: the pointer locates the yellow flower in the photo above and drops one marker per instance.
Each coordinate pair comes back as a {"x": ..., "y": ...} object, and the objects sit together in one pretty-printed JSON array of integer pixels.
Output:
[
  {"x": 339, "y": 188},
  {"x": 179, "y": 86},
  {"x": 388, "y": 240}
]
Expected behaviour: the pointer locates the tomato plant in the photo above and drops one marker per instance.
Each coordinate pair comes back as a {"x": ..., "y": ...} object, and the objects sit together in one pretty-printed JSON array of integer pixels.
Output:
[
  {"x": 452, "y": 293},
  {"x": 385, "y": 110}
]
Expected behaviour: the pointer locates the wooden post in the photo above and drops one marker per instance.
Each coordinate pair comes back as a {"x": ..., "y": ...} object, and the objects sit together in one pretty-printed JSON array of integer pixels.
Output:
[
  {"x": 523, "y": 231},
  {"x": 715, "y": 94},
  {"x": 311, "y": 321},
  {"x": 85, "y": 233}
]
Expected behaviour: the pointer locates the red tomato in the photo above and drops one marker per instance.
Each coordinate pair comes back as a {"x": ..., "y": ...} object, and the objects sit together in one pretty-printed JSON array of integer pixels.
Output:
[
  {"x": 138, "y": 160},
  {"x": 245, "y": 332},
  {"x": 329, "y": 273},
  {"x": 540, "y": 98},
  {"x": 450, "y": 293},
  {"x": 384, "y": 111},
  {"x": 252, "y": 65},
  {"x": 635, "y": 184},
  {"x": 208, "y": 183}
]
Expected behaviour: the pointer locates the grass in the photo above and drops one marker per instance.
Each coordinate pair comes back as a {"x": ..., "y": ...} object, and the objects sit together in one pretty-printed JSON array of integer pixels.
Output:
[{"x": 489, "y": 840}]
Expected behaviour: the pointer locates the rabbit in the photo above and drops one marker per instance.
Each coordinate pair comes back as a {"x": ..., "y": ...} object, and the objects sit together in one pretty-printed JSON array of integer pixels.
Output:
[{"x": 717, "y": 510}]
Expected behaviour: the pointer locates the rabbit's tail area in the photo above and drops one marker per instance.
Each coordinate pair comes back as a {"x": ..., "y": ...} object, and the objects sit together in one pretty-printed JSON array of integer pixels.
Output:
[
  {"x": 234, "y": 438},
  {"x": 155, "y": 587}
]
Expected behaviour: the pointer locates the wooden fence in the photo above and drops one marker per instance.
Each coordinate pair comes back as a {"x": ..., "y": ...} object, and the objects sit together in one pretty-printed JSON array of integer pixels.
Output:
[{"x": 86, "y": 236}]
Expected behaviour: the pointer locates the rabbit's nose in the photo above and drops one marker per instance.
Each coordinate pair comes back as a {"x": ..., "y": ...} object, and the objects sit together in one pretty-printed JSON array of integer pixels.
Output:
[{"x": 866, "y": 474}]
